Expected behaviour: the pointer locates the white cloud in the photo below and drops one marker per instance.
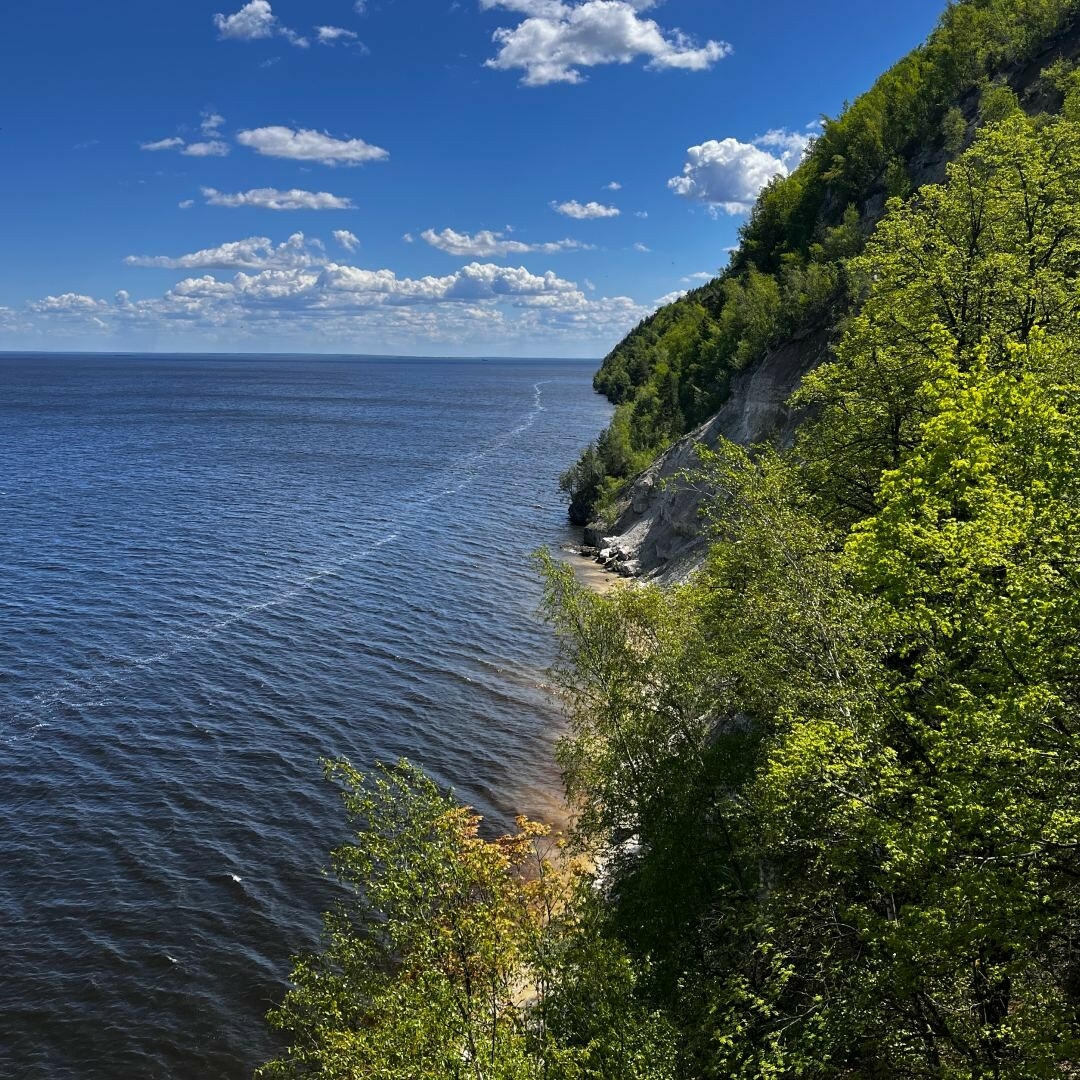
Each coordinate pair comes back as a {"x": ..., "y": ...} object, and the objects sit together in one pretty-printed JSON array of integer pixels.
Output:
[
  {"x": 275, "y": 199},
  {"x": 613, "y": 186},
  {"x": 556, "y": 39},
  {"x": 642, "y": 249},
  {"x": 534, "y": 9},
  {"x": 701, "y": 275},
  {"x": 187, "y": 204},
  {"x": 641, "y": 214},
  {"x": 669, "y": 298},
  {"x": 254, "y": 253},
  {"x": 349, "y": 241},
  {"x": 162, "y": 144},
  {"x": 791, "y": 144},
  {"x": 253, "y": 22},
  {"x": 69, "y": 303},
  {"x": 584, "y": 211},
  {"x": 494, "y": 245},
  {"x": 213, "y": 148},
  {"x": 308, "y": 145},
  {"x": 480, "y": 308},
  {"x": 294, "y": 38},
  {"x": 330, "y": 35},
  {"x": 728, "y": 174},
  {"x": 477, "y": 281}
]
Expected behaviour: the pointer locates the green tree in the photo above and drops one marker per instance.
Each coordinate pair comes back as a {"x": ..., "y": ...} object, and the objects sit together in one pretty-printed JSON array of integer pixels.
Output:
[
  {"x": 424, "y": 972},
  {"x": 459, "y": 957},
  {"x": 991, "y": 255}
]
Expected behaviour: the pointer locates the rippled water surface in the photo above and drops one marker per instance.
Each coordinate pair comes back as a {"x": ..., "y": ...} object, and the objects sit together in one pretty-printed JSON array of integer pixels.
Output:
[{"x": 215, "y": 572}]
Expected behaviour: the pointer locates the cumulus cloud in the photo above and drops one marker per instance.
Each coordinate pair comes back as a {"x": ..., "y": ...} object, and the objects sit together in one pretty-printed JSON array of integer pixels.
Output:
[
  {"x": 477, "y": 281},
  {"x": 791, "y": 144},
  {"x": 210, "y": 123},
  {"x": 669, "y": 298},
  {"x": 642, "y": 248},
  {"x": 253, "y": 22},
  {"x": 275, "y": 199},
  {"x": 494, "y": 245},
  {"x": 583, "y": 211},
  {"x": 331, "y": 35},
  {"x": 254, "y": 253},
  {"x": 481, "y": 307},
  {"x": 613, "y": 186},
  {"x": 349, "y": 241},
  {"x": 69, "y": 303},
  {"x": 701, "y": 275},
  {"x": 728, "y": 174},
  {"x": 557, "y": 39},
  {"x": 341, "y": 287},
  {"x": 308, "y": 145}
]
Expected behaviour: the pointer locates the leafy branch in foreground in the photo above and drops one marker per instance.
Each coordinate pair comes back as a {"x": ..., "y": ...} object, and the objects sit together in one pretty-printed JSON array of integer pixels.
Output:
[{"x": 459, "y": 957}]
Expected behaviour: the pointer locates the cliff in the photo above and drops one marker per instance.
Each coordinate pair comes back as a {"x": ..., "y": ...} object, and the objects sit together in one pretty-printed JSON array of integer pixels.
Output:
[
  {"x": 656, "y": 528},
  {"x": 658, "y": 532}
]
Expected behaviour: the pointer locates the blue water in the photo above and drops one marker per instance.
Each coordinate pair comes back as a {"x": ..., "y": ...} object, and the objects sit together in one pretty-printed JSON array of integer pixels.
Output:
[{"x": 215, "y": 572}]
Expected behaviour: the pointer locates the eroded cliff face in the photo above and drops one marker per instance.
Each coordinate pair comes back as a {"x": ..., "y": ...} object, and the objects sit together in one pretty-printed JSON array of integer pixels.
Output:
[
  {"x": 659, "y": 533},
  {"x": 660, "y": 530}
]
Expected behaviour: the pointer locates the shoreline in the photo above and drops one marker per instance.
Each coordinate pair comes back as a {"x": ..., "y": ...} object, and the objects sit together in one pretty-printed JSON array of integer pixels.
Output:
[{"x": 588, "y": 569}]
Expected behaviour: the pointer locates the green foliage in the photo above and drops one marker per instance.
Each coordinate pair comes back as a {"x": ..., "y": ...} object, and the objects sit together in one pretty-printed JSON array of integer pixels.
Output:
[
  {"x": 583, "y": 482},
  {"x": 786, "y": 275},
  {"x": 990, "y": 255},
  {"x": 997, "y": 101},
  {"x": 953, "y": 131},
  {"x": 421, "y": 973},
  {"x": 457, "y": 957},
  {"x": 848, "y": 751}
]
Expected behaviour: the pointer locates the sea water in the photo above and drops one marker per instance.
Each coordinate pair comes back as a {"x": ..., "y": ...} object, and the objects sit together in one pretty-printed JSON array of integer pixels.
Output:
[{"x": 214, "y": 573}]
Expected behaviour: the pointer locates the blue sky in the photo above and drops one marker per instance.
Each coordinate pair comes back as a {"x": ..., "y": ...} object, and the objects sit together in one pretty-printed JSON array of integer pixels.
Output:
[{"x": 477, "y": 177}]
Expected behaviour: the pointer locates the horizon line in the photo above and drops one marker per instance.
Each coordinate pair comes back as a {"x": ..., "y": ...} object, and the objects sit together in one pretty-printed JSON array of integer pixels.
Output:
[{"x": 291, "y": 355}]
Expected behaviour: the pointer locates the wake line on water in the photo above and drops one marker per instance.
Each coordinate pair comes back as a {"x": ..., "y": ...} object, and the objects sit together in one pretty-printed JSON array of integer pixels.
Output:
[{"x": 34, "y": 716}]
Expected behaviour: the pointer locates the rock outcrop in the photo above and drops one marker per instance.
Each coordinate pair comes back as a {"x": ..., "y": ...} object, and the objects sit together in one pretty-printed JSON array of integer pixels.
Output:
[{"x": 659, "y": 530}]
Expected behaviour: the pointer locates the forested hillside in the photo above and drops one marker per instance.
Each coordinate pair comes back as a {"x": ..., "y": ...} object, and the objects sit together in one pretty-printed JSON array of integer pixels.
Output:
[
  {"x": 828, "y": 791},
  {"x": 789, "y": 274}
]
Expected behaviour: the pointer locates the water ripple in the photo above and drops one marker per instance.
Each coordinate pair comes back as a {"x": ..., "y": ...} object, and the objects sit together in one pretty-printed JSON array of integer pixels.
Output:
[{"x": 214, "y": 573}]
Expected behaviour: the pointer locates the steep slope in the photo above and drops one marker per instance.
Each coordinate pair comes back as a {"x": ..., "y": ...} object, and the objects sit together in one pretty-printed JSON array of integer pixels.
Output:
[
  {"x": 659, "y": 531},
  {"x": 723, "y": 360}
]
